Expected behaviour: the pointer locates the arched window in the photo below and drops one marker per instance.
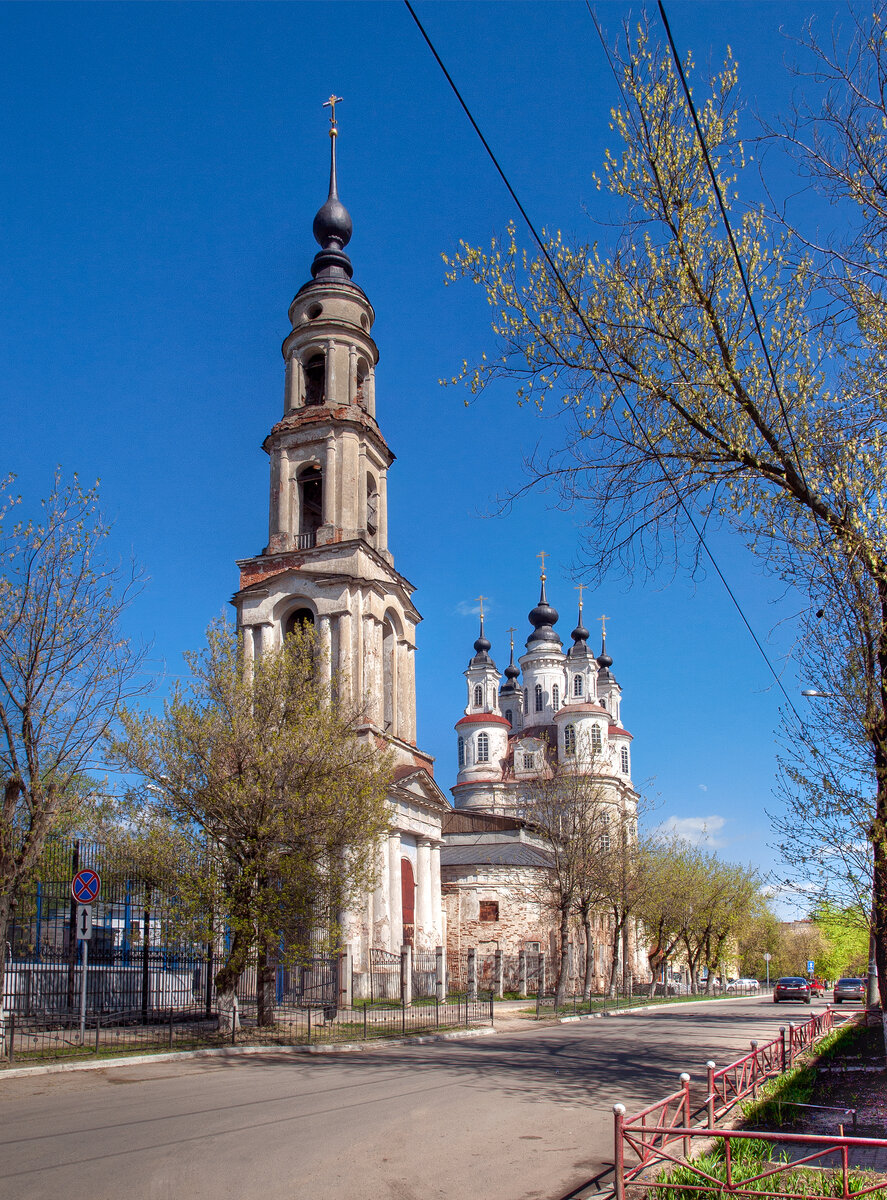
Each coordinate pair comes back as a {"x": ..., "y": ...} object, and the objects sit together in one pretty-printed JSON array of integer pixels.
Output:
[
  {"x": 596, "y": 742},
  {"x": 570, "y": 740},
  {"x": 624, "y": 760},
  {"x": 483, "y": 747},
  {"x": 478, "y": 695},
  {"x": 372, "y": 505},
  {"x": 577, "y": 685},
  {"x": 540, "y": 702},
  {"x": 310, "y": 502},
  {"x": 314, "y": 370},
  {"x": 461, "y": 752},
  {"x": 555, "y": 697},
  {"x": 301, "y": 619},
  {"x": 508, "y": 716},
  {"x": 526, "y": 700}
]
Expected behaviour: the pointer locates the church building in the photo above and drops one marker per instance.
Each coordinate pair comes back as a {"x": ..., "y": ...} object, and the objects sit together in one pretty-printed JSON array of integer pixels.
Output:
[
  {"x": 327, "y": 563},
  {"x": 470, "y": 875}
]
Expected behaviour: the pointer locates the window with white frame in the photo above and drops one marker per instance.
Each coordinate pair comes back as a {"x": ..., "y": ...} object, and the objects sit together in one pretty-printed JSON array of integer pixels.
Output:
[
  {"x": 478, "y": 695},
  {"x": 529, "y": 762},
  {"x": 577, "y": 685},
  {"x": 540, "y": 699},
  {"x": 624, "y": 760},
  {"x": 570, "y": 740},
  {"x": 461, "y": 752},
  {"x": 555, "y": 697},
  {"x": 483, "y": 747},
  {"x": 596, "y": 741},
  {"x": 508, "y": 716}
]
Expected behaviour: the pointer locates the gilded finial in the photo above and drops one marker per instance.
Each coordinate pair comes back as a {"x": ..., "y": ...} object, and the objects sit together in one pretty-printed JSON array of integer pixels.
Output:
[
  {"x": 542, "y": 555},
  {"x": 603, "y": 620},
  {"x": 481, "y": 599},
  {"x": 331, "y": 105}
]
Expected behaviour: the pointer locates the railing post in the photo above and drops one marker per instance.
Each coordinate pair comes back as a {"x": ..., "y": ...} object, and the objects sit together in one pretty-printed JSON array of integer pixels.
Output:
[
  {"x": 685, "y": 1084},
  {"x": 755, "y": 1069},
  {"x": 406, "y": 976},
  {"x": 346, "y": 975},
  {"x": 522, "y": 970},
  {"x": 782, "y": 1047},
  {"x": 440, "y": 989},
  {"x": 618, "y": 1152},
  {"x": 542, "y": 971},
  {"x": 791, "y": 1042},
  {"x": 472, "y": 974},
  {"x": 499, "y": 968},
  {"x": 710, "y": 1102}
]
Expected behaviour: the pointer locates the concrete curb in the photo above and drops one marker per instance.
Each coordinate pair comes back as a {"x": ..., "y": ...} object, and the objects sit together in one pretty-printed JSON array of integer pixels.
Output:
[{"x": 135, "y": 1060}]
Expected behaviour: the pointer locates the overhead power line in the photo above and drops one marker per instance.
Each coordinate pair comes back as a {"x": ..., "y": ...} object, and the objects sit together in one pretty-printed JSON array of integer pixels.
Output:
[{"x": 606, "y": 364}]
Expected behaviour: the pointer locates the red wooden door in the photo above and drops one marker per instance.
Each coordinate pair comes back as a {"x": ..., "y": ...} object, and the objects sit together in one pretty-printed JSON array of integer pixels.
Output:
[{"x": 408, "y": 900}]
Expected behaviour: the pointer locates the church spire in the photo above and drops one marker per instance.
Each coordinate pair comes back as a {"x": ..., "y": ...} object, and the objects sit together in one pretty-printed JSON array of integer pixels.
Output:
[
  {"x": 482, "y": 645},
  {"x": 332, "y": 224}
]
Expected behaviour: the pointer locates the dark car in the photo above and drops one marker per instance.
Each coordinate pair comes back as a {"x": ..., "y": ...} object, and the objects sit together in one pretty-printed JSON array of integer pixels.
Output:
[
  {"x": 849, "y": 989},
  {"x": 791, "y": 987}
]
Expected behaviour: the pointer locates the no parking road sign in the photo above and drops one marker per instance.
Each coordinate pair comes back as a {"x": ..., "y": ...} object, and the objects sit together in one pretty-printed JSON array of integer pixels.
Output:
[{"x": 85, "y": 886}]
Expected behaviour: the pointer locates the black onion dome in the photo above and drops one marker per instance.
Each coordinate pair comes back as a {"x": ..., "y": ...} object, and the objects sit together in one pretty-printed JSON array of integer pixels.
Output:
[
  {"x": 332, "y": 231},
  {"x": 580, "y": 636},
  {"x": 482, "y": 649},
  {"x": 603, "y": 659},
  {"x": 543, "y": 617}
]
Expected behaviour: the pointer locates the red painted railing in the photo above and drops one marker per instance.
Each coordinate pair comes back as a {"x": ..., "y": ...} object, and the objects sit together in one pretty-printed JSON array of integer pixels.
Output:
[{"x": 648, "y": 1133}]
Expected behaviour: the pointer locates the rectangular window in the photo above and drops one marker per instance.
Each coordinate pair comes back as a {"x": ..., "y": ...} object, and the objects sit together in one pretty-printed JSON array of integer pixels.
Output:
[
  {"x": 529, "y": 762},
  {"x": 489, "y": 910}
]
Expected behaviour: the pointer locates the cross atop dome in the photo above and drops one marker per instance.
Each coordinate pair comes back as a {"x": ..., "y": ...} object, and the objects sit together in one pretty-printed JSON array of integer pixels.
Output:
[{"x": 332, "y": 224}]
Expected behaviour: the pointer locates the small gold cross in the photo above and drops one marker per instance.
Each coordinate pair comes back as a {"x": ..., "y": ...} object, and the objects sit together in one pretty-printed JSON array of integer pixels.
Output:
[
  {"x": 543, "y": 555},
  {"x": 331, "y": 105},
  {"x": 580, "y": 588},
  {"x": 603, "y": 620},
  {"x": 481, "y": 599},
  {"x": 511, "y": 632}
]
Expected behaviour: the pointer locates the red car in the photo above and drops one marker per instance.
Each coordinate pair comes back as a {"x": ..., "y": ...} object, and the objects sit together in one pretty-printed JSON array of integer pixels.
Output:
[{"x": 791, "y": 987}]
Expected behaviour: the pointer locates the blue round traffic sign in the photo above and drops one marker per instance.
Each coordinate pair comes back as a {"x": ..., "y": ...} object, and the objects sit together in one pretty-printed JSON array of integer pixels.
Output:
[{"x": 85, "y": 886}]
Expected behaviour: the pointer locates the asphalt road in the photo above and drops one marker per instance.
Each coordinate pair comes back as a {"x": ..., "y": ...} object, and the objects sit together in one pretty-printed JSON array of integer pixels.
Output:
[{"x": 516, "y": 1116}]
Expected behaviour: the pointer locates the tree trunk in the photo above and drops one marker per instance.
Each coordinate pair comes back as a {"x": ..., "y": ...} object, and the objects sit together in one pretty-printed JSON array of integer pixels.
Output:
[
  {"x": 5, "y": 930},
  {"x": 588, "y": 982},
  {"x": 227, "y": 979},
  {"x": 266, "y": 977},
  {"x": 616, "y": 965},
  {"x": 565, "y": 958},
  {"x": 627, "y": 973}
]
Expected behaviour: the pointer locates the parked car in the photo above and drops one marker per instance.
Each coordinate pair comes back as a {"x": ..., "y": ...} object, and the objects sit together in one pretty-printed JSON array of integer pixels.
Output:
[
  {"x": 791, "y": 987},
  {"x": 743, "y": 985},
  {"x": 849, "y": 989},
  {"x": 817, "y": 986}
]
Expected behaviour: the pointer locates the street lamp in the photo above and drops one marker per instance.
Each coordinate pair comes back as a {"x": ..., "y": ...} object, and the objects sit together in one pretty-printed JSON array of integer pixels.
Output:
[{"x": 871, "y": 993}]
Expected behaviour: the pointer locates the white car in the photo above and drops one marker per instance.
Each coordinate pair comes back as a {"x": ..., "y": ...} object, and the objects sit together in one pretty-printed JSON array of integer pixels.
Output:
[{"x": 743, "y": 985}]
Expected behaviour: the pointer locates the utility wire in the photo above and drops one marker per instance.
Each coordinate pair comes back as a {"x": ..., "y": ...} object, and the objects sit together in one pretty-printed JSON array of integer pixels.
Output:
[
  {"x": 604, "y": 360},
  {"x": 740, "y": 266}
]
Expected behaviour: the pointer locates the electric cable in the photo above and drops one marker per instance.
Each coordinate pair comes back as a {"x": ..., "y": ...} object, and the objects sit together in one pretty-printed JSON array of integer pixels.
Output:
[{"x": 605, "y": 362}]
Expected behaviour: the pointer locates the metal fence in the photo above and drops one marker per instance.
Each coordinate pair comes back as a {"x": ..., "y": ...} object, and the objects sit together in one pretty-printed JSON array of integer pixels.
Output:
[{"x": 28, "y": 1040}]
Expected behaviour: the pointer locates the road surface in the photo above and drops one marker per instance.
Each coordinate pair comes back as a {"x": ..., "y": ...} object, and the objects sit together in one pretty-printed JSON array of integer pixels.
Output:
[{"x": 523, "y": 1115}]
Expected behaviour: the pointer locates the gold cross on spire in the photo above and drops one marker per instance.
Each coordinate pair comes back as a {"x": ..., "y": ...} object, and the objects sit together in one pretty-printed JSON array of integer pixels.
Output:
[
  {"x": 580, "y": 588},
  {"x": 511, "y": 631},
  {"x": 331, "y": 105},
  {"x": 603, "y": 620},
  {"x": 481, "y": 599},
  {"x": 542, "y": 555}
]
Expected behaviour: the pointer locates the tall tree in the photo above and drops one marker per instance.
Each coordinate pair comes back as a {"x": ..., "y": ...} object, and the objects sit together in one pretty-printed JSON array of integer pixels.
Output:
[
  {"x": 65, "y": 667},
  {"x": 732, "y": 377},
  {"x": 264, "y": 767}
]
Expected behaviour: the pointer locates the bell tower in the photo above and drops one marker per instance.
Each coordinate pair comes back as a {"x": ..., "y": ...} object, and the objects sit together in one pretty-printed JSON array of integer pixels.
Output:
[{"x": 327, "y": 560}]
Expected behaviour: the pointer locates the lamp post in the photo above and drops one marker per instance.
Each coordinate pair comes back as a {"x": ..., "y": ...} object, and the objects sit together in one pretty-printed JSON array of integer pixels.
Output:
[{"x": 871, "y": 991}]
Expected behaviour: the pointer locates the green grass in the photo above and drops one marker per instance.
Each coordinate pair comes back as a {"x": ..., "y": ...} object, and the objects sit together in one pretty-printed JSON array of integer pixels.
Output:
[{"x": 774, "y": 1104}]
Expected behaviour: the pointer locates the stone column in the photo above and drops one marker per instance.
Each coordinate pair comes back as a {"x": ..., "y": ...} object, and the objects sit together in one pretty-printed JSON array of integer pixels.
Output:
[
  {"x": 331, "y": 397},
  {"x": 436, "y": 900},
  {"x": 344, "y": 681},
  {"x": 329, "y": 483},
  {"x": 406, "y": 976},
  {"x": 362, "y": 486},
  {"x": 352, "y": 374},
  {"x": 274, "y": 505},
  {"x": 382, "y": 537},
  {"x": 423, "y": 890},
  {"x": 395, "y": 897},
  {"x": 381, "y": 900},
  {"x": 324, "y": 640},
  {"x": 249, "y": 649},
  {"x": 370, "y": 392},
  {"x": 293, "y": 384}
]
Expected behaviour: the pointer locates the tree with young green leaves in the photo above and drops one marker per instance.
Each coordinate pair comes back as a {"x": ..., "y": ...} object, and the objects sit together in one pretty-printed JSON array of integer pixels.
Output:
[
  {"x": 731, "y": 378},
  {"x": 262, "y": 765},
  {"x": 65, "y": 668}
]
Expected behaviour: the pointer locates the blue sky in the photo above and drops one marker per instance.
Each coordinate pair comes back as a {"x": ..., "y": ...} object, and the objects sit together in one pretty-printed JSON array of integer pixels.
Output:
[{"x": 162, "y": 164}]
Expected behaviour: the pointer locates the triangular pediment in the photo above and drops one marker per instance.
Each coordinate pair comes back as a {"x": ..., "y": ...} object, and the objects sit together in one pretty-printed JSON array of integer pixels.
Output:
[{"x": 419, "y": 785}]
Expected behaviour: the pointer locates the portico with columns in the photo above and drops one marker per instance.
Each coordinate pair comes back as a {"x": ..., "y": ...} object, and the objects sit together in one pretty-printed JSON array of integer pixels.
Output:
[{"x": 327, "y": 564}]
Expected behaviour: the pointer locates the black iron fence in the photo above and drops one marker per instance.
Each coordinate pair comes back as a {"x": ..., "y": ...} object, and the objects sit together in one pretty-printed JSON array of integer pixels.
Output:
[{"x": 30, "y": 1041}]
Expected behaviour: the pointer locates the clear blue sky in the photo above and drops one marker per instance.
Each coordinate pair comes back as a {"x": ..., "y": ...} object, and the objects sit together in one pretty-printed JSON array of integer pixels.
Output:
[{"x": 162, "y": 164}]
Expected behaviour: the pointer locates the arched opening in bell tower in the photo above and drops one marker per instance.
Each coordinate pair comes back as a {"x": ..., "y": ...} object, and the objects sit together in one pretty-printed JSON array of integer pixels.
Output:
[
  {"x": 372, "y": 506},
  {"x": 310, "y": 504},
  {"x": 315, "y": 371},
  {"x": 301, "y": 619}
]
